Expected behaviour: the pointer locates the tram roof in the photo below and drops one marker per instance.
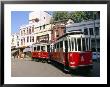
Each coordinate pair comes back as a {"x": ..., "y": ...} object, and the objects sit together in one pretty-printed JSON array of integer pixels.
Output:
[{"x": 71, "y": 33}]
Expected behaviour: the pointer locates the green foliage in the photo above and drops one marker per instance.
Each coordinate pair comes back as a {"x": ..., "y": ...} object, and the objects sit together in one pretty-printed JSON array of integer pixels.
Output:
[
  {"x": 60, "y": 15},
  {"x": 76, "y": 16}
]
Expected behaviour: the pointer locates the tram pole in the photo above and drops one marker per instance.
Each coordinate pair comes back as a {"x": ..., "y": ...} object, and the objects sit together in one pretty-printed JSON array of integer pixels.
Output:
[{"x": 95, "y": 37}]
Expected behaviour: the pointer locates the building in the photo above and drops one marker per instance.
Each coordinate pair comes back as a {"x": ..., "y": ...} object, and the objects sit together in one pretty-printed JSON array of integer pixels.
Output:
[
  {"x": 90, "y": 28},
  {"x": 57, "y": 31},
  {"x": 43, "y": 33},
  {"x": 39, "y": 24},
  {"x": 15, "y": 40}
]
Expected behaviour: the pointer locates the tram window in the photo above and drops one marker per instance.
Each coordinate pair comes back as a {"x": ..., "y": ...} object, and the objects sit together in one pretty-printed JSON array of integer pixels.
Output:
[
  {"x": 83, "y": 44},
  {"x": 42, "y": 48},
  {"x": 58, "y": 46},
  {"x": 54, "y": 48},
  {"x": 38, "y": 48},
  {"x": 75, "y": 44},
  {"x": 34, "y": 48},
  {"x": 48, "y": 48},
  {"x": 91, "y": 31},
  {"x": 72, "y": 44},
  {"x": 61, "y": 44},
  {"x": 86, "y": 31},
  {"x": 66, "y": 46},
  {"x": 87, "y": 43},
  {"x": 79, "y": 44}
]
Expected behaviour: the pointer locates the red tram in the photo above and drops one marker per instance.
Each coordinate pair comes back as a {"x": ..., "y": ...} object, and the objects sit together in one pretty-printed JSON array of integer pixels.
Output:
[
  {"x": 40, "y": 52},
  {"x": 72, "y": 50}
]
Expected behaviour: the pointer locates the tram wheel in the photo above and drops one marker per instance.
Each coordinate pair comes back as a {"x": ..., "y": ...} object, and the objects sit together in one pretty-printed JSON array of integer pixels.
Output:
[
  {"x": 36, "y": 60},
  {"x": 43, "y": 61},
  {"x": 66, "y": 70}
]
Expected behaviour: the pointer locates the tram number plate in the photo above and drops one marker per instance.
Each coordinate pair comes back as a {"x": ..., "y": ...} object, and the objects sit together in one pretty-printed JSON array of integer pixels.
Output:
[{"x": 82, "y": 58}]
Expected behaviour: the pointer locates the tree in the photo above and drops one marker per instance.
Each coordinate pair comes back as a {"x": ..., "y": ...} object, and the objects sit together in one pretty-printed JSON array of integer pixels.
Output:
[
  {"x": 60, "y": 15},
  {"x": 76, "y": 16}
]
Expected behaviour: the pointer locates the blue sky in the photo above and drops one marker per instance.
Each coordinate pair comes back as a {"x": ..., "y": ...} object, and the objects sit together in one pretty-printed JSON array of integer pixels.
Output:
[{"x": 19, "y": 18}]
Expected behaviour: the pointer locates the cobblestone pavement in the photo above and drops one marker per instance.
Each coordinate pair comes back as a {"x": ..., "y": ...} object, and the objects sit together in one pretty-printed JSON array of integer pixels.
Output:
[{"x": 27, "y": 68}]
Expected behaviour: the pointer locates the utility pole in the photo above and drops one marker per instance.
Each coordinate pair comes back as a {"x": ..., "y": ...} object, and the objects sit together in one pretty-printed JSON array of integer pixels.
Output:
[{"x": 95, "y": 37}]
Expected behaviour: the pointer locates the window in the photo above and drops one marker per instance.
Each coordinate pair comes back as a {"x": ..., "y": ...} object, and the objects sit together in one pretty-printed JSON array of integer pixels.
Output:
[
  {"x": 27, "y": 39},
  {"x": 91, "y": 31},
  {"x": 30, "y": 38},
  {"x": 34, "y": 48},
  {"x": 57, "y": 35},
  {"x": 61, "y": 44},
  {"x": 17, "y": 37},
  {"x": 24, "y": 40},
  {"x": 75, "y": 44},
  {"x": 32, "y": 28},
  {"x": 42, "y": 48},
  {"x": 79, "y": 44},
  {"x": 58, "y": 46},
  {"x": 27, "y": 30},
  {"x": 97, "y": 30},
  {"x": 40, "y": 27},
  {"x": 30, "y": 31},
  {"x": 33, "y": 39},
  {"x": 86, "y": 31},
  {"x": 43, "y": 26},
  {"x": 72, "y": 42},
  {"x": 66, "y": 46},
  {"x": 24, "y": 32},
  {"x": 38, "y": 48},
  {"x": 17, "y": 43},
  {"x": 87, "y": 46},
  {"x": 21, "y": 42},
  {"x": 83, "y": 44}
]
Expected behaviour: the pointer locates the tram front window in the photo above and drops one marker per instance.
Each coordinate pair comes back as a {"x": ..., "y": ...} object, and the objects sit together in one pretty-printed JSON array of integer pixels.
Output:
[
  {"x": 38, "y": 48},
  {"x": 34, "y": 48},
  {"x": 42, "y": 48}
]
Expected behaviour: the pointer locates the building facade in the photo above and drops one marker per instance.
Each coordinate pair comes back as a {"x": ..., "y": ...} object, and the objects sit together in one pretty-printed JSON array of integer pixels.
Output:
[
  {"x": 90, "y": 28},
  {"x": 57, "y": 31},
  {"x": 15, "y": 40},
  {"x": 32, "y": 32}
]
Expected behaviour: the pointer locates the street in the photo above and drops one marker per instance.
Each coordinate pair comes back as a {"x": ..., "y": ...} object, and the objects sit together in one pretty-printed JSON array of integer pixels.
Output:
[{"x": 28, "y": 68}]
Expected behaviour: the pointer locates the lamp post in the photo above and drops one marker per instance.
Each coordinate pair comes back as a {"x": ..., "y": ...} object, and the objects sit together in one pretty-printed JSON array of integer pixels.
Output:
[{"x": 95, "y": 36}]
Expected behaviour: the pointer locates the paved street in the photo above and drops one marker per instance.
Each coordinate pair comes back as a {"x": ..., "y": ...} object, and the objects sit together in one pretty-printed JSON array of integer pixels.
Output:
[{"x": 28, "y": 68}]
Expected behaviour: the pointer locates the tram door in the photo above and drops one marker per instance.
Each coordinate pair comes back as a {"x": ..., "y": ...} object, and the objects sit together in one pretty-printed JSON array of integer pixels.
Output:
[{"x": 66, "y": 54}]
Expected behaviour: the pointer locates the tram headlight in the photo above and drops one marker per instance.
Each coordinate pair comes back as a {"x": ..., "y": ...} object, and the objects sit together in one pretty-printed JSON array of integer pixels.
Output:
[
  {"x": 90, "y": 61},
  {"x": 71, "y": 54}
]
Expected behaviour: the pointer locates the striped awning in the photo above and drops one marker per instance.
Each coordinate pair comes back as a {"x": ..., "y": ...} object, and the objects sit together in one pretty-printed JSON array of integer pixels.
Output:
[
  {"x": 12, "y": 52},
  {"x": 27, "y": 49}
]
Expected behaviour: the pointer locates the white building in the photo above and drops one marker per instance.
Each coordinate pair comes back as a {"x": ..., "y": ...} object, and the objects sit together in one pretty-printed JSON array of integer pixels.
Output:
[
  {"x": 37, "y": 22},
  {"x": 15, "y": 40},
  {"x": 91, "y": 28}
]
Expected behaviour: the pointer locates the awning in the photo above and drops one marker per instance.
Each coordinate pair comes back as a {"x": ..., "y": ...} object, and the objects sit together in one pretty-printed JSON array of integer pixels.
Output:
[
  {"x": 12, "y": 52},
  {"x": 27, "y": 49}
]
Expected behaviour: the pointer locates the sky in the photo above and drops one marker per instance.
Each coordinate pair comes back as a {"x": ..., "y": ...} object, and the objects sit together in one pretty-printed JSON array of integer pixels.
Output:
[{"x": 19, "y": 18}]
